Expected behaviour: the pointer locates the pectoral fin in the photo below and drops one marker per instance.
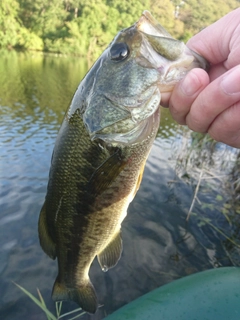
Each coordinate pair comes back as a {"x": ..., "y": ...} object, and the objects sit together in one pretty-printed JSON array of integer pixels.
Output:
[
  {"x": 106, "y": 174},
  {"x": 110, "y": 255},
  {"x": 46, "y": 242}
]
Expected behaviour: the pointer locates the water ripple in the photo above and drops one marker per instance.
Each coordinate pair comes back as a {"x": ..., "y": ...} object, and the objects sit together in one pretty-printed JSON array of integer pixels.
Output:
[{"x": 159, "y": 246}]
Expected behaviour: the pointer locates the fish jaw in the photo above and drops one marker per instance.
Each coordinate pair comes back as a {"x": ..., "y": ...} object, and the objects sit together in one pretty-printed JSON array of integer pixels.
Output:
[
  {"x": 171, "y": 57},
  {"x": 148, "y": 24},
  {"x": 131, "y": 91}
]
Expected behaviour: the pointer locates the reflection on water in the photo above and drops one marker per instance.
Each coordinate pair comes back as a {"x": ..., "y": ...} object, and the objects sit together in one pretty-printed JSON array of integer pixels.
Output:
[{"x": 159, "y": 244}]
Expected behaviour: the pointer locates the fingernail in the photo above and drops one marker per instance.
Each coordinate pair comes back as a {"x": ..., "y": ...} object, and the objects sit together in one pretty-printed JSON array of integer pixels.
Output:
[
  {"x": 231, "y": 82},
  {"x": 190, "y": 84}
]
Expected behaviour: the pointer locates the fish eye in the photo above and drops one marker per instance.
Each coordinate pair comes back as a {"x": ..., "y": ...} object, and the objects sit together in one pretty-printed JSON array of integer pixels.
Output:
[{"x": 119, "y": 51}]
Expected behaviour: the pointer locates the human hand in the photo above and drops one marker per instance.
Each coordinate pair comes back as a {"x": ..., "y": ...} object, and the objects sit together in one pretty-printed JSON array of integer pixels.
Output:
[{"x": 210, "y": 102}]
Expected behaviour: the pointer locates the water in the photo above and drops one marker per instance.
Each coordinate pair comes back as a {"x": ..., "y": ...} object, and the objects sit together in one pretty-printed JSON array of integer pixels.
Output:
[{"x": 159, "y": 244}]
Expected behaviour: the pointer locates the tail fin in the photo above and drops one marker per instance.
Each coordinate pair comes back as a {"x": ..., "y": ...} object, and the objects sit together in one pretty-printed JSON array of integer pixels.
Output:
[{"x": 83, "y": 295}]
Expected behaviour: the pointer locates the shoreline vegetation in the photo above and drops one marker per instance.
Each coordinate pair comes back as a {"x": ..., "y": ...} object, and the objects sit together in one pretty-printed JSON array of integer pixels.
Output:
[{"x": 85, "y": 28}]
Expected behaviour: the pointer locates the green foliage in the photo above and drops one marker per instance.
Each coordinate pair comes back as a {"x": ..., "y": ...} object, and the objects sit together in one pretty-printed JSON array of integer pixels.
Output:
[
  {"x": 85, "y": 28},
  {"x": 49, "y": 315},
  {"x": 12, "y": 31},
  {"x": 164, "y": 12},
  {"x": 198, "y": 14}
]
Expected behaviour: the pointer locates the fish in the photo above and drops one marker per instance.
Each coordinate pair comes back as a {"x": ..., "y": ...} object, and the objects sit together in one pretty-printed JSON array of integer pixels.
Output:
[{"x": 101, "y": 150}]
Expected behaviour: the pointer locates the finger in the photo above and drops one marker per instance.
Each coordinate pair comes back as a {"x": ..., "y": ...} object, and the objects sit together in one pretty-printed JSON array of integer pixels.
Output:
[
  {"x": 226, "y": 127},
  {"x": 207, "y": 42},
  {"x": 165, "y": 98},
  {"x": 216, "y": 71},
  {"x": 219, "y": 95},
  {"x": 186, "y": 92}
]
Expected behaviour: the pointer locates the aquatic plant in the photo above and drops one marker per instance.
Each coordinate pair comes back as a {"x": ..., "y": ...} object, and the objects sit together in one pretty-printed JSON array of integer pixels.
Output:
[
  {"x": 209, "y": 167},
  {"x": 50, "y": 316}
]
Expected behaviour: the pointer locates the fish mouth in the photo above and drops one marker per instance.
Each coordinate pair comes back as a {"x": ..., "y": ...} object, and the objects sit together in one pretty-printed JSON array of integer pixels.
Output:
[
  {"x": 128, "y": 119},
  {"x": 171, "y": 57},
  {"x": 149, "y": 25}
]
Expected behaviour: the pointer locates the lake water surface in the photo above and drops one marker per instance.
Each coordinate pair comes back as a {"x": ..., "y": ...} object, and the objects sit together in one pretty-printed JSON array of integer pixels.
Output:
[{"x": 160, "y": 244}]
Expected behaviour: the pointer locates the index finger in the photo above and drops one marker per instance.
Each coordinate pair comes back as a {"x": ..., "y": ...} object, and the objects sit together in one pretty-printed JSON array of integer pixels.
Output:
[{"x": 214, "y": 42}]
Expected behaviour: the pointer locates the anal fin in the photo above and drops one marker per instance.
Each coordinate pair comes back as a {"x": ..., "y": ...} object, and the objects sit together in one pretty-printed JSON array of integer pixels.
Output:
[
  {"x": 84, "y": 295},
  {"x": 110, "y": 255},
  {"x": 46, "y": 242}
]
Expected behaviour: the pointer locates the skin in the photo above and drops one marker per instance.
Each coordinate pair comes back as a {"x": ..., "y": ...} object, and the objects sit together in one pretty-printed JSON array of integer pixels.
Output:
[{"x": 210, "y": 102}]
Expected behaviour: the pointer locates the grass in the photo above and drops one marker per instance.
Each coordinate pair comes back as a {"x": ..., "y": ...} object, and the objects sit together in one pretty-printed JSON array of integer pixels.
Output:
[
  {"x": 211, "y": 168},
  {"x": 205, "y": 220},
  {"x": 49, "y": 315}
]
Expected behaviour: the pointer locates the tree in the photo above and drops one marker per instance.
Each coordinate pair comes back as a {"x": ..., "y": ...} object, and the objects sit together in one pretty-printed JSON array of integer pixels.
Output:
[
  {"x": 83, "y": 27},
  {"x": 43, "y": 17},
  {"x": 12, "y": 32},
  {"x": 164, "y": 12},
  {"x": 198, "y": 14}
]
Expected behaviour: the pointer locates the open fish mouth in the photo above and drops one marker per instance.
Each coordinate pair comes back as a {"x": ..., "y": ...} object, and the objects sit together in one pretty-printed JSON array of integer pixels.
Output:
[
  {"x": 171, "y": 57},
  {"x": 148, "y": 24},
  {"x": 155, "y": 62}
]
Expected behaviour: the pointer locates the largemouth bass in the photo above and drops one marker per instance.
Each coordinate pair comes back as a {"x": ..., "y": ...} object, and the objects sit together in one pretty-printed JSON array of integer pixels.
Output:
[{"x": 101, "y": 150}]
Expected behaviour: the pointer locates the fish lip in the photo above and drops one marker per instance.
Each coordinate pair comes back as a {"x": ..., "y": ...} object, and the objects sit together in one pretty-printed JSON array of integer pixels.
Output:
[
  {"x": 149, "y": 25},
  {"x": 177, "y": 63},
  {"x": 205, "y": 65}
]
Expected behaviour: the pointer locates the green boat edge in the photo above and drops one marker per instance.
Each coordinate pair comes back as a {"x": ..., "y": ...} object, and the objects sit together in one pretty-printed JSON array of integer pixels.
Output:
[{"x": 208, "y": 295}]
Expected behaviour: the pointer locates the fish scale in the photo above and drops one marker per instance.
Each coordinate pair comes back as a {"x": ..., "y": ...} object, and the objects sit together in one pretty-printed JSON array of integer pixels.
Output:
[{"x": 101, "y": 150}]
